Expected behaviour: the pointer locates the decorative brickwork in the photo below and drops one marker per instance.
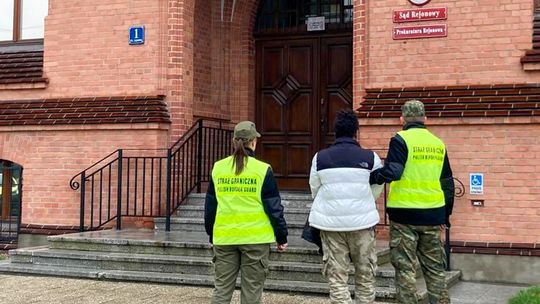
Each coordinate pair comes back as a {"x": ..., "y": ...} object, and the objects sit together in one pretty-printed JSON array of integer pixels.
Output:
[
  {"x": 6, "y": 247},
  {"x": 48, "y": 229},
  {"x": 521, "y": 249},
  {"x": 360, "y": 51},
  {"x": 91, "y": 110},
  {"x": 456, "y": 101},
  {"x": 485, "y": 43},
  {"x": 533, "y": 56},
  {"x": 21, "y": 67}
]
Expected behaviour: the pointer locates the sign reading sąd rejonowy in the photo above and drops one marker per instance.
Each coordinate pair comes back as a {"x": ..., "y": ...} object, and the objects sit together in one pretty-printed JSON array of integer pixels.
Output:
[{"x": 420, "y": 14}]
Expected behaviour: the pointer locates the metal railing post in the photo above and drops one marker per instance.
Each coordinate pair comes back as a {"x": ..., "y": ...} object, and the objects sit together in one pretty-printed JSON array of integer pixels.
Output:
[
  {"x": 447, "y": 247},
  {"x": 119, "y": 193},
  {"x": 83, "y": 180},
  {"x": 20, "y": 203},
  {"x": 199, "y": 155},
  {"x": 168, "y": 198}
]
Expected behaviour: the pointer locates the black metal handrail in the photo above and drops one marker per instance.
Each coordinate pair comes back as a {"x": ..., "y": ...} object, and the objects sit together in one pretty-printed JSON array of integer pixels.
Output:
[
  {"x": 142, "y": 183},
  {"x": 191, "y": 159}
]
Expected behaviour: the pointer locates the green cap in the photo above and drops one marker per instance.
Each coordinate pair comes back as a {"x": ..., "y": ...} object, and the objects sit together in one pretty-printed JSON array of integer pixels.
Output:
[
  {"x": 413, "y": 108},
  {"x": 246, "y": 129}
]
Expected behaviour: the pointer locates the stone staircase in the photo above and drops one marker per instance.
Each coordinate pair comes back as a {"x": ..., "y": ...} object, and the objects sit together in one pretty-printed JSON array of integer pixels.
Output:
[
  {"x": 183, "y": 256},
  {"x": 190, "y": 216}
]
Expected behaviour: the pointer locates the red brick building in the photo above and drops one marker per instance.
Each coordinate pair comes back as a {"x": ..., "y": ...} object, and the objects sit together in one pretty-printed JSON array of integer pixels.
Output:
[{"x": 78, "y": 90}]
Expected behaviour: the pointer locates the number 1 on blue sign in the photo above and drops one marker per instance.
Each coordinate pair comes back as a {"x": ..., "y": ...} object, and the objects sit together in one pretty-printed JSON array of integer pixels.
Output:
[{"x": 136, "y": 35}]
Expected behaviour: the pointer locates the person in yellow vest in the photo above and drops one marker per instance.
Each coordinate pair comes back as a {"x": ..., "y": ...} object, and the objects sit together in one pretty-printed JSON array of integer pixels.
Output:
[
  {"x": 243, "y": 217},
  {"x": 419, "y": 204}
]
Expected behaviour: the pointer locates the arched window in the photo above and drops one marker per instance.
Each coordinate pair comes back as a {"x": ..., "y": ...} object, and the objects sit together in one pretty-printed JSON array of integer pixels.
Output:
[{"x": 291, "y": 15}]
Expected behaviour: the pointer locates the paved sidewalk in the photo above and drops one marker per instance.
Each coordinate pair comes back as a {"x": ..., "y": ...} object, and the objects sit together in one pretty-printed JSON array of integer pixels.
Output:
[
  {"x": 481, "y": 293},
  {"x": 52, "y": 290}
]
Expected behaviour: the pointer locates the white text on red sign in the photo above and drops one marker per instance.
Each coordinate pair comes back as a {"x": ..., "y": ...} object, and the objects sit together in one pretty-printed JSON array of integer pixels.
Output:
[
  {"x": 414, "y": 32},
  {"x": 421, "y": 14}
]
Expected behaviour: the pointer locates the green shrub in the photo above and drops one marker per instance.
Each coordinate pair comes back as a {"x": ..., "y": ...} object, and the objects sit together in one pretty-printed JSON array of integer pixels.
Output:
[{"x": 527, "y": 296}]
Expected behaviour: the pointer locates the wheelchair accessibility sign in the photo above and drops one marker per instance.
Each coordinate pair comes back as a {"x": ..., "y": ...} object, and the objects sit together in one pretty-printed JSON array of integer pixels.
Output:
[{"x": 476, "y": 183}]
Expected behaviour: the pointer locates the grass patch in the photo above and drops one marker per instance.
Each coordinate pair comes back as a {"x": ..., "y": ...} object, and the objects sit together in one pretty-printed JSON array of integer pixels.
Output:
[
  {"x": 527, "y": 296},
  {"x": 3, "y": 257}
]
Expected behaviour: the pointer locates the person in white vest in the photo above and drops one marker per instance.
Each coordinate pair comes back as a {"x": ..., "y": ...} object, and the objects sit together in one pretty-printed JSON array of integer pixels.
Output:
[{"x": 344, "y": 211}]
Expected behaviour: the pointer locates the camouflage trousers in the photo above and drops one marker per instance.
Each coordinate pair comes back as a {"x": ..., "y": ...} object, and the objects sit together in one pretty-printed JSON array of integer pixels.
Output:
[
  {"x": 339, "y": 248},
  {"x": 409, "y": 245}
]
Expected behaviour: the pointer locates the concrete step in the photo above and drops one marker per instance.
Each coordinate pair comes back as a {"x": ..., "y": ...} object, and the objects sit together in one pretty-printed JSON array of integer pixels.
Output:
[
  {"x": 288, "y": 200},
  {"x": 297, "y": 215},
  {"x": 197, "y": 224},
  {"x": 383, "y": 294},
  {"x": 194, "y": 243},
  {"x": 293, "y": 271}
]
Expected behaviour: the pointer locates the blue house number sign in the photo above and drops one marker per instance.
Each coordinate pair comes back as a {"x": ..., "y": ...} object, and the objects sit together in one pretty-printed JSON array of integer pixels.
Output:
[{"x": 136, "y": 35}]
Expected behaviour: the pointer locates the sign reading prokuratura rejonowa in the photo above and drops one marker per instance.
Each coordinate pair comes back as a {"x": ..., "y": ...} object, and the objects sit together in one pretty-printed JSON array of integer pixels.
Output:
[{"x": 423, "y": 31}]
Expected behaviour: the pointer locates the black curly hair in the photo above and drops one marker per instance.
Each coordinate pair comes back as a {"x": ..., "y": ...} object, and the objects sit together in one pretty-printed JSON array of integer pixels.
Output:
[{"x": 346, "y": 123}]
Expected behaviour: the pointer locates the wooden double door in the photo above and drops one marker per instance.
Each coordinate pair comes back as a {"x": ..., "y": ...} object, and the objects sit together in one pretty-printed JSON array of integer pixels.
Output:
[{"x": 301, "y": 84}]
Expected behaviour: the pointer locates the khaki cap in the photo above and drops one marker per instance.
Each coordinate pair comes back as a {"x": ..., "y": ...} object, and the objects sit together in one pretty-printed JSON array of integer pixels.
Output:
[{"x": 246, "y": 129}]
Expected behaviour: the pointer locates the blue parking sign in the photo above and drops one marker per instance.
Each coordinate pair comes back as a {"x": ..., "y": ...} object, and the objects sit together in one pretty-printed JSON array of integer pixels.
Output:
[
  {"x": 476, "y": 183},
  {"x": 136, "y": 35}
]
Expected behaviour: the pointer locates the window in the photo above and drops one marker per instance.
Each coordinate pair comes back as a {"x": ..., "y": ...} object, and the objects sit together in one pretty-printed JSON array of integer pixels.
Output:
[
  {"x": 10, "y": 196},
  {"x": 287, "y": 14},
  {"x": 22, "y": 20}
]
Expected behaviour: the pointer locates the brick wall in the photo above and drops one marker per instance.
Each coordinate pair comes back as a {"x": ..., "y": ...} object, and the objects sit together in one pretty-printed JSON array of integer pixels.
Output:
[
  {"x": 224, "y": 60},
  {"x": 485, "y": 42},
  {"x": 203, "y": 104},
  {"x": 233, "y": 61},
  {"x": 87, "y": 52},
  {"x": 50, "y": 157},
  {"x": 180, "y": 23},
  {"x": 360, "y": 49},
  {"x": 206, "y": 67},
  {"x": 507, "y": 151}
]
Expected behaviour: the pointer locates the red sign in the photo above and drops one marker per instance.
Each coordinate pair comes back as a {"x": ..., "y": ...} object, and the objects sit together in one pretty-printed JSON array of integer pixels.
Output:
[
  {"x": 420, "y": 14},
  {"x": 426, "y": 31}
]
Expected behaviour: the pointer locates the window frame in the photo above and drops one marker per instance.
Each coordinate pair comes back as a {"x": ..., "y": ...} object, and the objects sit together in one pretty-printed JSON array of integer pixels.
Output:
[
  {"x": 17, "y": 22},
  {"x": 268, "y": 22}
]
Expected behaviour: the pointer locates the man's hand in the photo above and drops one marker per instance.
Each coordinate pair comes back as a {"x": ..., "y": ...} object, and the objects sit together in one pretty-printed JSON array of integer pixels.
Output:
[{"x": 282, "y": 247}]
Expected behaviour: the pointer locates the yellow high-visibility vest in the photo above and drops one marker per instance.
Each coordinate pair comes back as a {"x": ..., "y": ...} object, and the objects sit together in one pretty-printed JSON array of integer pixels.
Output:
[
  {"x": 419, "y": 186},
  {"x": 240, "y": 216}
]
